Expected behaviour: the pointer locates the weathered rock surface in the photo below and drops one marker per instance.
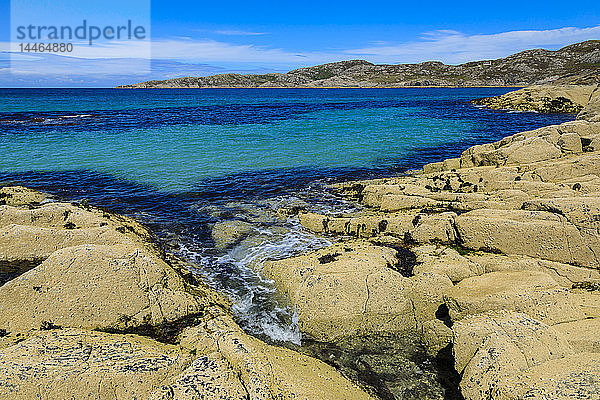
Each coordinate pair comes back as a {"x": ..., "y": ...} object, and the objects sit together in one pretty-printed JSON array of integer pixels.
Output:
[
  {"x": 572, "y": 377},
  {"x": 104, "y": 287},
  {"x": 492, "y": 348},
  {"x": 582, "y": 335},
  {"x": 215, "y": 360},
  {"x": 265, "y": 372},
  {"x": 545, "y": 99},
  {"x": 42, "y": 230},
  {"x": 85, "y": 270},
  {"x": 445, "y": 261},
  {"x": 363, "y": 298},
  {"x": 539, "y": 234},
  {"x": 591, "y": 111},
  {"x": 564, "y": 274},
  {"x": 533, "y": 293},
  {"x": 51, "y": 215},
  {"x": 72, "y": 363},
  {"x": 346, "y": 289},
  {"x": 421, "y": 227},
  {"x": 35, "y": 244},
  {"x": 510, "y": 231},
  {"x": 21, "y": 196}
]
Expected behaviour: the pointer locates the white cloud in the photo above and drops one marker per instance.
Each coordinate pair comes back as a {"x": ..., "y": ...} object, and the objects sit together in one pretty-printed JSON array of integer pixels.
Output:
[
  {"x": 234, "y": 32},
  {"x": 189, "y": 50},
  {"x": 217, "y": 51},
  {"x": 443, "y": 45},
  {"x": 184, "y": 56},
  {"x": 454, "y": 47}
]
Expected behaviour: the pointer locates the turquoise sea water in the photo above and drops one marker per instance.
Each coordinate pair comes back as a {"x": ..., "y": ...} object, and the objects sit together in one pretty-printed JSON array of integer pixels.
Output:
[
  {"x": 173, "y": 139},
  {"x": 182, "y": 160}
]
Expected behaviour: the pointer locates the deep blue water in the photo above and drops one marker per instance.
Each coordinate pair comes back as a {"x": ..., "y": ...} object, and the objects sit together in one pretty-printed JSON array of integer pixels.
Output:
[{"x": 181, "y": 160}]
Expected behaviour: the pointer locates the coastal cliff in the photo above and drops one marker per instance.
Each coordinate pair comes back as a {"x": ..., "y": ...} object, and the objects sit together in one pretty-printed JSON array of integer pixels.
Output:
[{"x": 577, "y": 64}]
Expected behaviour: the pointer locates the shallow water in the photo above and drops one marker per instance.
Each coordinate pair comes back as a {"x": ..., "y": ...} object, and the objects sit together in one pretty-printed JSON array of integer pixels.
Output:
[{"x": 181, "y": 160}]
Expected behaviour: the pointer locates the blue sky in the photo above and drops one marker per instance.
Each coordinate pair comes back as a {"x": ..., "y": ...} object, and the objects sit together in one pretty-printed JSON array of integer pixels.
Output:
[{"x": 203, "y": 38}]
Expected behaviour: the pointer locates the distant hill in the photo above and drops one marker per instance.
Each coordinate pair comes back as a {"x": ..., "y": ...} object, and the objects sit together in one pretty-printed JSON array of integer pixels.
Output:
[{"x": 575, "y": 64}]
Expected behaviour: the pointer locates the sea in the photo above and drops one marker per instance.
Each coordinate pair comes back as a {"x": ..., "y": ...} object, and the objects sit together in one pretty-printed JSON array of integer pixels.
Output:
[{"x": 185, "y": 160}]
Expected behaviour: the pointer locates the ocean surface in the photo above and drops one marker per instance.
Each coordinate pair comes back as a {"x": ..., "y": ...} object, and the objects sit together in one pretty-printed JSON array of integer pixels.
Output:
[{"x": 182, "y": 160}]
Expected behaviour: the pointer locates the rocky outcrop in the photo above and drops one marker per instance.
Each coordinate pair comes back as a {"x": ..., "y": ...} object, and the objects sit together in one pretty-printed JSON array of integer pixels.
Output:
[
  {"x": 505, "y": 242},
  {"x": 265, "y": 372},
  {"x": 97, "y": 287},
  {"x": 89, "y": 308},
  {"x": 356, "y": 292},
  {"x": 356, "y": 288},
  {"x": 18, "y": 195},
  {"x": 591, "y": 111},
  {"x": 570, "y": 377},
  {"x": 72, "y": 363},
  {"x": 544, "y": 99},
  {"x": 493, "y": 348},
  {"x": 485, "y": 266},
  {"x": 533, "y": 293},
  {"x": 574, "y": 64}
]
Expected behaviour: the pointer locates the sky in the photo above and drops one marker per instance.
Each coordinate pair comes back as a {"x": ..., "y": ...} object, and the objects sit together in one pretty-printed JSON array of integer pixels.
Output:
[{"x": 197, "y": 38}]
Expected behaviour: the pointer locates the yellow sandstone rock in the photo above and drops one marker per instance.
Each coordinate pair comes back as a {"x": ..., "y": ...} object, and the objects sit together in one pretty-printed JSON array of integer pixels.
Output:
[{"x": 93, "y": 286}]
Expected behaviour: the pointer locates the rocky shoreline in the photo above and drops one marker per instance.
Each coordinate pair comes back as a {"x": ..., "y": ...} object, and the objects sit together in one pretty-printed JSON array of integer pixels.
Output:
[
  {"x": 543, "y": 98},
  {"x": 506, "y": 262},
  {"x": 477, "y": 277},
  {"x": 89, "y": 308}
]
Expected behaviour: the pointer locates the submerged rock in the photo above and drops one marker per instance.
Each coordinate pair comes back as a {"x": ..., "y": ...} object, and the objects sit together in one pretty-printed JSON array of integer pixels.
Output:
[{"x": 227, "y": 233}]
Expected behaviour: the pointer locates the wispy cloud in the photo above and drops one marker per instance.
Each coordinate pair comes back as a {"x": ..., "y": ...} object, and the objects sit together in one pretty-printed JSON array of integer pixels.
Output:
[
  {"x": 454, "y": 47},
  {"x": 185, "y": 49},
  {"x": 235, "y": 32},
  {"x": 184, "y": 56}
]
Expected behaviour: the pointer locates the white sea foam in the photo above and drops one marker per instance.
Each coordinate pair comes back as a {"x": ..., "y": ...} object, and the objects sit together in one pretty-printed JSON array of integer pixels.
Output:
[
  {"x": 257, "y": 305},
  {"x": 77, "y": 116},
  {"x": 276, "y": 320}
]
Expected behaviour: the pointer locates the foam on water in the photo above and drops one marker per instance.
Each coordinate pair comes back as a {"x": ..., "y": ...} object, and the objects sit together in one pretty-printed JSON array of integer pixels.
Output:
[{"x": 256, "y": 304}]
